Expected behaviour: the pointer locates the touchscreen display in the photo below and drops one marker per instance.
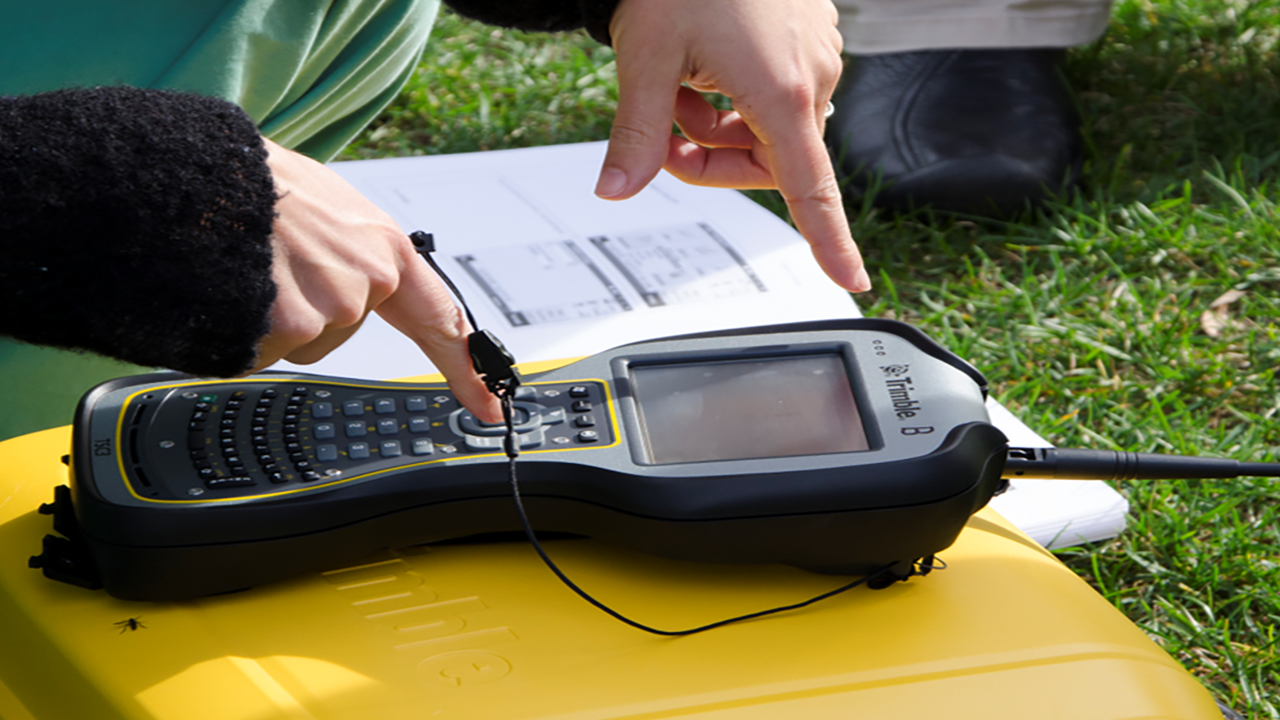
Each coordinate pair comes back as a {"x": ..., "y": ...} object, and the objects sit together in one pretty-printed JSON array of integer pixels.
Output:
[{"x": 740, "y": 409}]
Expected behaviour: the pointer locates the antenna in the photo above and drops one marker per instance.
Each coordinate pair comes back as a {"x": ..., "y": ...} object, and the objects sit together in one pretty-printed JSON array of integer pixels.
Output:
[{"x": 1077, "y": 464}]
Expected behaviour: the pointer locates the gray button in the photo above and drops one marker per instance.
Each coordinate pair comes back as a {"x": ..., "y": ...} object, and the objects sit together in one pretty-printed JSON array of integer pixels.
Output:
[
  {"x": 322, "y": 410},
  {"x": 481, "y": 442},
  {"x": 521, "y": 417},
  {"x": 415, "y": 403},
  {"x": 384, "y": 406},
  {"x": 358, "y": 450},
  {"x": 390, "y": 448},
  {"x": 588, "y": 436},
  {"x": 423, "y": 446},
  {"x": 419, "y": 424},
  {"x": 526, "y": 392},
  {"x": 471, "y": 426},
  {"x": 356, "y": 428},
  {"x": 324, "y": 431},
  {"x": 387, "y": 426},
  {"x": 326, "y": 453},
  {"x": 353, "y": 408},
  {"x": 552, "y": 415},
  {"x": 488, "y": 442}
]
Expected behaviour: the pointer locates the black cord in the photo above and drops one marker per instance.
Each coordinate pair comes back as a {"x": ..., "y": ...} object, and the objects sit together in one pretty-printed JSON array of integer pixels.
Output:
[
  {"x": 503, "y": 381},
  {"x": 425, "y": 243},
  {"x": 512, "y": 445}
]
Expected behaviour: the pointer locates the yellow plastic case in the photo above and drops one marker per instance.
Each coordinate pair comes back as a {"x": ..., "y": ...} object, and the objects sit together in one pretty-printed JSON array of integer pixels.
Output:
[{"x": 485, "y": 631}]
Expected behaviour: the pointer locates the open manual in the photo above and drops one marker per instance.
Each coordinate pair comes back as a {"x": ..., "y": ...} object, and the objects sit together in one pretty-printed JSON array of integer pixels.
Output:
[{"x": 558, "y": 273}]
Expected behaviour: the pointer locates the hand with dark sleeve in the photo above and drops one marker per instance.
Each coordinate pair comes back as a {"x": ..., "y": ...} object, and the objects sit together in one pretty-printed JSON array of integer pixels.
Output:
[
  {"x": 160, "y": 228},
  {"x": 135, "y": 224}
]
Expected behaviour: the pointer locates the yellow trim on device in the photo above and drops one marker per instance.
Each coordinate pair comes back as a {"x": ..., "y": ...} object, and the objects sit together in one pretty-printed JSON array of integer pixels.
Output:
[{"x": 389, "y": 385}]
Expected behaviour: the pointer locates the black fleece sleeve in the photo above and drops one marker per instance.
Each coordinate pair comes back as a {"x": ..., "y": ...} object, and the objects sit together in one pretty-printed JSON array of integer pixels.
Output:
[
  {"x": 136, "y": 224},
  {"x": 542, "y": 15}
]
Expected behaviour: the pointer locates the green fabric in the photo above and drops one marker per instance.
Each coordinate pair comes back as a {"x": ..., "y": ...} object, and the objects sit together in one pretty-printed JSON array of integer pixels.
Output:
[{"x": 311, "y": 73}]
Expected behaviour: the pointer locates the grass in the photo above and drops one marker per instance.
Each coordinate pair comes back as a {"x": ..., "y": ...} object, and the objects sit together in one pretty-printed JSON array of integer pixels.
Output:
[{"x": 1089, "y": 319}]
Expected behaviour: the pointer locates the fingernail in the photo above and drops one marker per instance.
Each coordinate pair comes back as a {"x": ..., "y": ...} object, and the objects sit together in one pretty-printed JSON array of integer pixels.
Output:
[
  {"x": 861, "y": 280},
  {"x": 611, "y": 183}
]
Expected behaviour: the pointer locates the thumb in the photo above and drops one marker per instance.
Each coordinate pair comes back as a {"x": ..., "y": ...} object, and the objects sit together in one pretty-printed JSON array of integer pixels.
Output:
[{"x": 641, "y": 127}]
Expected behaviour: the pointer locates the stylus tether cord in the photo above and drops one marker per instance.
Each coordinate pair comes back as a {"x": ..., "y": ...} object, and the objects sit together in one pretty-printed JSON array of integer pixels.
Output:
[{"x": 495, "y": 366}]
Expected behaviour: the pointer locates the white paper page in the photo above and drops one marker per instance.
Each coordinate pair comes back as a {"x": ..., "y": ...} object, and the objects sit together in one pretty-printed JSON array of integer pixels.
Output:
[{"x": 556, "y": 272}]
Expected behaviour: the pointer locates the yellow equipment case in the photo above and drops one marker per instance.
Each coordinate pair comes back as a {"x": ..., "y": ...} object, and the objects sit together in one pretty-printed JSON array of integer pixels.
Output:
[{"x": 485, "y": 631}]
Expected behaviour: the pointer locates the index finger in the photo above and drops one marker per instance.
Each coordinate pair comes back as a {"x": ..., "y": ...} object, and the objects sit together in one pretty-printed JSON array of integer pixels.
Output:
[
  {"x": 797, "y": 158},
  {"x": 423, "y": 310},
  {"x": 647, "y": 88}
]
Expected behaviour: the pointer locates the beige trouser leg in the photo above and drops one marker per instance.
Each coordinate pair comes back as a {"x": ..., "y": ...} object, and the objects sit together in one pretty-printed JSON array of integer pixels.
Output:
[{"x": 884, "y": 26}]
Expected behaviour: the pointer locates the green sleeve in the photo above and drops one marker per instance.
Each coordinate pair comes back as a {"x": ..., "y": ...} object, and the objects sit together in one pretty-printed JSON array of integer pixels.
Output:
[{"x": 311, "y": 73}]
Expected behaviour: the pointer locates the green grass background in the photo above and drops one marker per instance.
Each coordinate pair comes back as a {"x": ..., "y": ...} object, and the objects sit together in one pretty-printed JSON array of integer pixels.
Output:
[{"x": 1087, "y": 318}]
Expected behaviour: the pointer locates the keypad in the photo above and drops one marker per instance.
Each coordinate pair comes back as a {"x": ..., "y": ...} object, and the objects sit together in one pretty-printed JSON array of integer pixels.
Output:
[{"x": 247, "y": 438}]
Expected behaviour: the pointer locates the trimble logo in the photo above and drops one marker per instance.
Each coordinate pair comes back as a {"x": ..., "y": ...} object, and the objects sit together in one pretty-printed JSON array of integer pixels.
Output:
[
  {"x": 893, "y": 371},
  {"x": 900, "y": 389}
]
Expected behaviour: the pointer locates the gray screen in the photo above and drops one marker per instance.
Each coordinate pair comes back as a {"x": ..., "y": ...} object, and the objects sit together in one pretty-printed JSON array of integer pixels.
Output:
[{"x": 734, "y": 410}]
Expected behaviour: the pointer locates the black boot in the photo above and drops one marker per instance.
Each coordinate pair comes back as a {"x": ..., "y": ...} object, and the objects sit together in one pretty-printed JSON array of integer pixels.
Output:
[{"x": 981, "y": 132}]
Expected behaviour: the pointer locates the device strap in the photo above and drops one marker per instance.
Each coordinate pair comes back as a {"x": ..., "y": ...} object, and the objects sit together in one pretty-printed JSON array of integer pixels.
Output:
[{"x": 496, "y": 366}]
